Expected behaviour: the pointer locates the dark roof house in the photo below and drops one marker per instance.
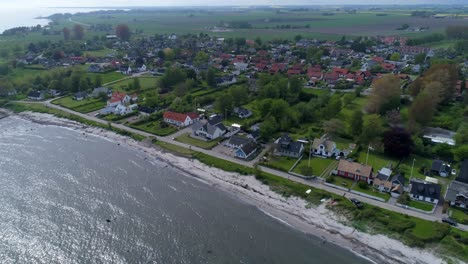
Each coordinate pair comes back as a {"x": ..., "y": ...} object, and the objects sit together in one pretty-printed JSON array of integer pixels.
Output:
[{"x": 286, "y": 146}]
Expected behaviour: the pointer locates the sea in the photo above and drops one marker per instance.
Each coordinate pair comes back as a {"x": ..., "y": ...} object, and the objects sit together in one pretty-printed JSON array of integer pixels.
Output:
[
  {"x": 69, "y": 197},
  {"x": 24, "y": 16}
]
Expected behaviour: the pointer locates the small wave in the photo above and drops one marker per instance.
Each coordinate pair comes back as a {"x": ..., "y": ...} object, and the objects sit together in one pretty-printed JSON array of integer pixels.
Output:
[{"x": 276, "y": 218}]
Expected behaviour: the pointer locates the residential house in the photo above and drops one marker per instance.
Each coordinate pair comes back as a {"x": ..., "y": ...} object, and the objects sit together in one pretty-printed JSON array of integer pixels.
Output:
[
  {"x": 398, "y": 179},
  {"x": 208, "y": 130},
  {"x": 440, "y": 168},
  {"x": 355, "y": 171},
  {"x": 246, "y": 150},
  {"x": 237, "y": 141},
  {"x": 457, "y": 191},
  {"x": 324, "y": 148},
  {"x": 79, "y": 96},
  {"x": 286, "y": 146},
  {"x": 101, "y": 90},
  {"x": 425, "y": 191},
  {"x": 118, "y": 98},
  {"x": 53, "y": 92},
  {"x": 179, "y": 119},
  {"x": 242, "y": 112},
  {"x": 382, "y": 180},
  {"x": 36, "y": 95}
]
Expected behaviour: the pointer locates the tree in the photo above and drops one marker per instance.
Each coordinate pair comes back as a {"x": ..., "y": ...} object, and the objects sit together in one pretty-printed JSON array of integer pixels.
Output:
[
  {"x": 333, "y": 127},
  {"x": 239, "y": 94},
  {"x": 422, "y": 109},
  {"x": 180, "y": 89},
  {"x": 393, "y": 117},
  {"x": 461, "y": 153},
  {"x": 78, "y": 32},
  {"x": 385, "y": 95},
  {"x": 98, "y": 81},
  {"x": 224, "y": 104},
  {"x": 136, "y": 84},
  {"x": 66, "y": 33},
  {"x": 123, "y": 32},
  {"x": 201, "y": 59},
  {"x": 211, "y": 77},
  {"x": 395, "y": 56},
  {"x": 268, "y": 128},
  {"x": 372, "y": 129},
  {"x": 420, "y": 58},
  {"x": 397, "y": 142},
  {"x": 356, "y": 121}
]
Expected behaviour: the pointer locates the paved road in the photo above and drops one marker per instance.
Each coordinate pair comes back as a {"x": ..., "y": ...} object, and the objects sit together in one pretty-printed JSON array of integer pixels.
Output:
[{"x": 313, "y": 183}]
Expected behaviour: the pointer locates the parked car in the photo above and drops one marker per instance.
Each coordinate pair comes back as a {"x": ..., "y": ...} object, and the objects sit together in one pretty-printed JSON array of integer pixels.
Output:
[
  {"x": 357, "y": 203},
  {"x": 454, "y": 172},
  {"x": 449, "y": 221}
]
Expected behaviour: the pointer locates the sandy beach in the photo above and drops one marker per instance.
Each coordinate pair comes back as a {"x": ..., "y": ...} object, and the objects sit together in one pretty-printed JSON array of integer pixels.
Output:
[{"x": 317, "y": 221}]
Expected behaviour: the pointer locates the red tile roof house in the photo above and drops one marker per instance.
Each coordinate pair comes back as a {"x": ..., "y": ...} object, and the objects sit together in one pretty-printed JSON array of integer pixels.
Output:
[
  {"x": 331, "y": 78},
  {"x": 293, "y": 72},
  {"x": 277, "y": 68},
  {"x": 118, "y": 98},
  {"x": 179, "y": 119},
  {"x": 312, "y": 73},
  {"x": 340, "y": 71},
  {"x": 355, "y": 171}
]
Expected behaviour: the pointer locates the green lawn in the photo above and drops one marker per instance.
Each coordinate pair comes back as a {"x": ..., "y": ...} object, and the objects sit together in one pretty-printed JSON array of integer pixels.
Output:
[
  {"x": 421, "y": 205},
  {"x": 342, "y": 182},
  {"x": 145, "y": 83},
  {"x": 154, "y": 127},
  {"x": 84, "y": 106},
  {"x": 318, "y": 165},
  {"x": 458, "y": 215},
  {"x": 376, "y": 160},
  {"x": 280, "y": 163},
  {"x": 187, "y": 139},
  {"x": 99, "y": 53},
  {"x": 371, "y": 191}
]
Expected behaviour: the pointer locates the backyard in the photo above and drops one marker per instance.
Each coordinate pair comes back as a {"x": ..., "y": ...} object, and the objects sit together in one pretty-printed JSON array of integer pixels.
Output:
[
  {"x": 318, "y": 165},
  {"x": 279, "y": 162},
  {"x": 156, "y": 127},
  {"x": 84, "y": 106}
]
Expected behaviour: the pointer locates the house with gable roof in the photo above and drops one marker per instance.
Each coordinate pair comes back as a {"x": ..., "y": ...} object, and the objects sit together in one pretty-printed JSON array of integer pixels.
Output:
[{"x": 179, "y": 119}]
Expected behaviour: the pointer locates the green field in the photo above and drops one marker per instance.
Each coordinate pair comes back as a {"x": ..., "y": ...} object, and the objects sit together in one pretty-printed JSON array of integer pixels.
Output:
[
  {"x": 145, "y": 83},
  {"x": 84, "y": 106},
  {"x": 187, "y": 139}
]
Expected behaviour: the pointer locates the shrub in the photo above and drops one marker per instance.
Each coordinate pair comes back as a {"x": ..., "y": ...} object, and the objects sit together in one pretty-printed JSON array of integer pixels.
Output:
[{"x": 363, "y": 185}]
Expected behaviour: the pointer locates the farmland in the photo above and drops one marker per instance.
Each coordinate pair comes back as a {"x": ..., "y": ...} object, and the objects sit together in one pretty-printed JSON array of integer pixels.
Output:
[{"x": 268, "y": 23}]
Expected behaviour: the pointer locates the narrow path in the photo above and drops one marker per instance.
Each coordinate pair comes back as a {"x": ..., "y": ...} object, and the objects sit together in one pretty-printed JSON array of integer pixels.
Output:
[
  {"x": 79, "y": 23},
  {"x": 313, "y": 183}
]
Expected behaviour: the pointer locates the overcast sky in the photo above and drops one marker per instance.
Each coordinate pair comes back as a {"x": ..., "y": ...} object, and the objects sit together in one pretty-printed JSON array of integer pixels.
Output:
[{"x": 101, "y": 3}]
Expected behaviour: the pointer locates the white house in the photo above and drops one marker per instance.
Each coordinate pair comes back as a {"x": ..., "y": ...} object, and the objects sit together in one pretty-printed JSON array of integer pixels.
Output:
[
  {"x": 324, "y": 147},
  {"x": 179, "y": 119}
]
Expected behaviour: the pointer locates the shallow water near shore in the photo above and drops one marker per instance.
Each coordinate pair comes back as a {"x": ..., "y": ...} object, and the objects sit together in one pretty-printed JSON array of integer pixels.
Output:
[{"x": 68, "y": 197}]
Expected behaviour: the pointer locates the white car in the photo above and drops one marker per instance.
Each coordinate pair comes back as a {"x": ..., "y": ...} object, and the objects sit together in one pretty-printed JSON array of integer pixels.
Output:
[{"x": 454, "y": 172}]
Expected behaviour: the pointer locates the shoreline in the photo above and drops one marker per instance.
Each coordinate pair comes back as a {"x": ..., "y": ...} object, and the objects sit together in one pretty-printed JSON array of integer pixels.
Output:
[{"x": 294, "y": 212}]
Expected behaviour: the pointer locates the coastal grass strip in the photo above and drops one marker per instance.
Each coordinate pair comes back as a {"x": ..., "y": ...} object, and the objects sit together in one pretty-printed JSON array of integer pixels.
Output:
[{"x": 22, "y": 107}]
